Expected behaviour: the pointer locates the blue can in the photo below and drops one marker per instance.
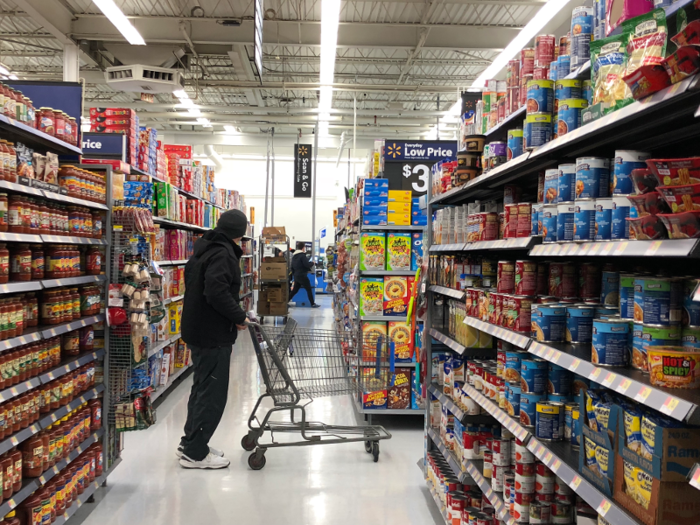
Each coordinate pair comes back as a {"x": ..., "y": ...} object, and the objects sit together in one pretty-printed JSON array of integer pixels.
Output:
[
  {"x": 513, "y": 400},
  {"x": 592, "y": 178},
  {"x": 535, "y": 219},
  {"x": 691, "y": 312},
  {"x": 568, "y": 88},
  {"x": 587, "y": 91},
  {"x": 548, "y": 322},
  {"x": 528, "y": 408},
  {"x": 515, "y": 143},
  {"x": 568, "y": 418},
  {"x": 575, "y": 428},
  {"x": 690, "y": 338},
  {"x": 563, "y": 67},
  {"x": 538, "y": 129},
  {"x": 551, "y": 186},
  {"x": 581, "y": 35},
  {"x": 618, "y": 216},
  {"x": 559, "y": 381},
  {"x": 559, "y": 398},
  {"x": 533, "y": 376},
  {"x": 658, "y": 300},
  {"x": 553, "y": 72},
  {"x": 566, "y": 182},
  {"x": 627, "y": 295},
  {"x": 540, "y": 96},
  {"x": 606, "y": 312},
  {"x": 639, "y": 354},
  {"x": 584, "y": 220},
  {"x": 549, "y": 421},
  {"x": 625, "y": 162},
  {"x": 610, "y": 342},
  {"x": 569, "y": 115},
  {"x": 513, "y": 364},
  {"x": 610, "y": 288},
  {"x": 565, "y": 221},
  {"x": 579, "y": 324},
  {"x": 548, "y": 226},
  {"x": 599, "y": 19},
  {"x": 603, "y": 219}
]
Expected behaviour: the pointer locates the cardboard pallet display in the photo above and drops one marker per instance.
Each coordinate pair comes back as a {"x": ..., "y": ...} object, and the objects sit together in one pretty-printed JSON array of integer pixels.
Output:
[{"x": 273, "y": 297}]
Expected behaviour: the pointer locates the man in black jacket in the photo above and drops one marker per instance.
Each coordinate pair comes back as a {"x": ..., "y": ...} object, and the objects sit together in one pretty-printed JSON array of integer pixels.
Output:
[
  {"x": 211, "y": 319},
  {"x": 301, "y": 266}
]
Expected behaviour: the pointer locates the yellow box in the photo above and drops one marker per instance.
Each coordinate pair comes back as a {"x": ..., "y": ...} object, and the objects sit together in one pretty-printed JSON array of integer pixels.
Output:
[
  {"x": 399, "y": 207},
  {"x": 400, "y": 196},
  {"x": 398, "y": 219}
]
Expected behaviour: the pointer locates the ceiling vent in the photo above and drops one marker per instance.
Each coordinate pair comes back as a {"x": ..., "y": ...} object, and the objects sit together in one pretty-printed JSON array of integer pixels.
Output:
[{"x": 144, "y": 79}]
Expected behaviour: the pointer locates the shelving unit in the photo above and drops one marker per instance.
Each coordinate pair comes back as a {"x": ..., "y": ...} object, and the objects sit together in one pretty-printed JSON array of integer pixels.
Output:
[{"x": 171, "y": 381}]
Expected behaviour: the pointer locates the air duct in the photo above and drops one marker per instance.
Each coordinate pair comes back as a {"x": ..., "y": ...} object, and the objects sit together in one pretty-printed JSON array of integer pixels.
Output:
[{"x": 214, "y": 156}]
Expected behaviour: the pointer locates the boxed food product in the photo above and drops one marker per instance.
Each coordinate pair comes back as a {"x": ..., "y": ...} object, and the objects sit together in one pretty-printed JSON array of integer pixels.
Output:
[
  {"x": 371, "y": 296},
  {"x": 398, "y": 251},
  {"x": 273, "y": 268},
  {"x": 401, "y": 334},
  {"x": 374, "y": 211},
  {"x": 416, "y": 250},
  {"x": 399, "y": 207},
  {"x": 375, "y": 220},
  {"x": 399, "y": 394},
  {"x": 372, "y": 251},
  {"x": 374, "y": 391},
  {"x": 375, "y": 201},
  {"x": 400, "y": 196},
  {"x": 398, "y": 219},
  {"x": 397, "y": 293},
  {"x": 373, "y": 332}
]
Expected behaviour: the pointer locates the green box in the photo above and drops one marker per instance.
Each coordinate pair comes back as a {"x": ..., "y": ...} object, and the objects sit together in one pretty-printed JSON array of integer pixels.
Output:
[
  {"x": 372, "y": 251},
  {"x": 162, "y": 199},
  {"x": 592, "y": 113},
  {"x": 371, "y": 296}
]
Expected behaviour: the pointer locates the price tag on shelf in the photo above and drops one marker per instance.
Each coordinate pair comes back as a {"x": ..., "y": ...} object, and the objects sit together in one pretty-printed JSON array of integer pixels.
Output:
[
  {"x": 624, "y": 386},
  {"x": 695, "y": 480},
  {"x": 574, "y": 365},
  {"x": 548, "y": 458},
  {"x": 14, "y": 441},
  {"x": 643, "y": 394},
  {"x": 609, "y": 378},
  {"x": 50, "y": 376},
  {"x": 604, "y": 507},
  {"x": 607, "y": 248},
  {"x": 653, "y": 248},
  {"x": 556, "y": 465},
  {"x": 548, "y": 356},
  {"x": 620, "y": 248},
  {"x": 575, "y": 483},
  {"x": 595, "y": 374},
  {"x": 669, "y": 405},
  {"x": 14, "y": 391},
  {"x": 12, "y": 503}
]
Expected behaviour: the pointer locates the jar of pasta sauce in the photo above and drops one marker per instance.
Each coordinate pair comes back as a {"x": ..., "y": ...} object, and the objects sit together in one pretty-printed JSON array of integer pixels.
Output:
[
  {"x": 21, "y": 263},
  {"x": 3, "y": 212},
  {"x": 45, "y": 121}
]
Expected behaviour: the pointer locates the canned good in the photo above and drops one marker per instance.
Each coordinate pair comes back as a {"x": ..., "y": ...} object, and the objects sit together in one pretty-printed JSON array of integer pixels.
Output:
[
  {"x": 610, "y": 288},
  {"x": 513, "y": 364},
  {"x": 625, "y": 162},
  {"x": 544, "y": 484},
  {"x": 566, "y": 89},
  {"x": 538, "y": 130},
  {"x": 569, "y": 115},
  {"x": 533, "y": 376},
  {"x": 551, "y": 186},
  {"x": 562, "y": 279},
  {"x": 690, "y": 338},
  {"x": 592, "y": 177},
  {"x": 548, "y": 323},
  {"x": 566, "y": 182},
  {"x": 575, "y": 428},
  {"x": 522, "y": 454},
  {"x": 535, "y": 220},
  {"x": 589, "y": 277},
  {"x": 561, "y": 513},
  {"x": 559, "y": 381},
  {"x": 506, "y": 277},
  {"x": 524, "y": 220},
  {"x": 651, "y": 336},
  {"x": 657, "y": 300},
  {"x": 497, "y": 478},
  {"x": 518, "y": 315},
  {"x": 603, "y": 219},
  {"x": 540, "y": 96},
  {"x": 610, "y": 342},
  {"x": 524, "y": 482},
  {"x": 548, "y": 227},
  {"x": 501, "y": 452},
  {"x": 584, "y": 220},
  {"x": 568, "y": 419},
  {"x": 549, "y": 422},
  {"x": 627, "y": 295},
  {"x": 565, "y": 221},
  {"x": 515, "y": 143},
  {"x": 528, "y": 408},
  {"x": 691, "y": 309},
  {"x": 619, "y": 229},
  {"x": 581, "y": 35}
]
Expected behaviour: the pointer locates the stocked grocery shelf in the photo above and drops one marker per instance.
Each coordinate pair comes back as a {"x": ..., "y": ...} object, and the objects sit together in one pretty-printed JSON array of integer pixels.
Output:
[
  {"x": 22, "y": 286},
  {"x": 391, "y": 227},
  {"x": 449, "y": 456},
  {"x": 509, "y": 422},
  {"x": 447, "y": 247},
  {"x": 67, "y": 366},
  {"x": 246, "y": 294},
  {"x": 521, "y": 243},
  {"x": 162, "y": 344},
  {"x": 16, "y": 131},
  {"x": 680, "y": 404},
  {"x": 53, "y": 331},
  {"x": 437, "y": 501},
  {"x": 449, "y": 292},
  {"x": 31, "y": 335},
  {"x": 454, "y": 409},
  {"x": 173, "y": 299},
  {"x": 172, "y": 263},
  {"x": 447, "y": 341},
  {"x": 387, "y": 272},
  {"x": 171, "y": 380},
  {"x": 19, "y": 388},
  {"x": 389, "y": 411},
  {"x": 397, "y": 364},
  {"x": 52, "y": 195},
  {"x": 475, "y": 469},
  {"x": 20, "y": 237},
  {"x": 518, "y": 339},
  {"x": 383, "y": 318},
  {"x": 67, "y": 239},
  {"x": 72, "y": 281},
  {"x": 660, "y": 248},
  {"x": 504, "y": 125},
  {"x": 182, "y": 225}
]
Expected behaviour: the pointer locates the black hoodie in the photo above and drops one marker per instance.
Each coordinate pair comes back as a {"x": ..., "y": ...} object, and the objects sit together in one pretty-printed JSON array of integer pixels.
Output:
[{"x": 212, "y": 282}]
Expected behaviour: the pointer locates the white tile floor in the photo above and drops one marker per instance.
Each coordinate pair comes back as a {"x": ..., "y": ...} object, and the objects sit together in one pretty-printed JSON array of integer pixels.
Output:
[{"x": 321, "y": 485}]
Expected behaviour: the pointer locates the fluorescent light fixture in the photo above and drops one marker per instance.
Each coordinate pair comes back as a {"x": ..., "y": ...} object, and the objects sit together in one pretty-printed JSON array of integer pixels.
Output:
[
  {"x": 527, "y": 33},
  {"x": 230, "y": 129},
  {"x": 4, "y": 71},
  {"x": 194, "y": 112},
  {"x": 188, "y": 103},
  {"x": 204, "y": 122},
  {"x": 330, "y": 20},
  {"x": 14, "y": 77},
  {"x": 181, "y": 93},
  {"x": 115, "y": 15}
]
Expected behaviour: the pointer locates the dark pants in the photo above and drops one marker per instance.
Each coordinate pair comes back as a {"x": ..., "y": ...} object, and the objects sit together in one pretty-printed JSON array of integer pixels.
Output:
[
  {"x": 302, "y": 281},
  {"x": 207, "y": 398}
]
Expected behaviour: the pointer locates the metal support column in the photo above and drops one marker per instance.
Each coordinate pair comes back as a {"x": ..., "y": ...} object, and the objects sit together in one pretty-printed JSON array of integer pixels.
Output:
[
  {"x": 267, "y": 181},
  {"x": 313, "y": 195},
  {"x": 71, "y": 63},
  {"x": 272, "y": 194}
]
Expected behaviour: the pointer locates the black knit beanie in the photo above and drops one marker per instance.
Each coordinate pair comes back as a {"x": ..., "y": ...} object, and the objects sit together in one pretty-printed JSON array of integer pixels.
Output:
[{"x": 233, "y": 224}]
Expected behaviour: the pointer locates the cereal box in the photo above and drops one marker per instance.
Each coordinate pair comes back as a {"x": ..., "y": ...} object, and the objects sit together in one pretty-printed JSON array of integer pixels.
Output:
[
  {"x": 401, "y": 334},
  {"x": 397, "y": 292},
  {"x": 371, "y": 332},
  {"x": 372, "y": 250},
  {"x": 398, "y": 251},
  {"x": 371, "y": 296},
  {"x": 399, "y": 394},
  {"x": 416, "y": 251},
  {"x": 374, "y": 392}
]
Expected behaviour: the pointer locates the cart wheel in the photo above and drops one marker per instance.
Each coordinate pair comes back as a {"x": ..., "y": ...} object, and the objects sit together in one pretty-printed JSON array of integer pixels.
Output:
[
  {"x": 284, "y": 320},
  {"x": 375, "y": 451},
  {"x": 368, "y": 447},
  {"x": 248, "y": 442},
  {"x": 256, "y": 461}
]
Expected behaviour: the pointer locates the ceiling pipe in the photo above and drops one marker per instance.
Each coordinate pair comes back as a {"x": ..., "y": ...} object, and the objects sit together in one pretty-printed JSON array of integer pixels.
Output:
[{"x": 214, "y": 156}]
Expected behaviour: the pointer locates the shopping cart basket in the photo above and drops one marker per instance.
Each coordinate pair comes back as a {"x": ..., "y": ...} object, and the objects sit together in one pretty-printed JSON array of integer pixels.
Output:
[{"x": 297, "y": 365}]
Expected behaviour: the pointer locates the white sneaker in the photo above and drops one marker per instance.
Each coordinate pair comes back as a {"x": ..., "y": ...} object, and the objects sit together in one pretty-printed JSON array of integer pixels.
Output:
[
  {"x": 209, "y": 462},
  {"x": 181, "y": 450}
]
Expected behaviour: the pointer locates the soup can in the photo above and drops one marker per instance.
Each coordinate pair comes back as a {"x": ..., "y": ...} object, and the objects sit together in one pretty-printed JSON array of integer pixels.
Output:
[
  {"x": 515, "y": 143},
  {"x": 584, "y": 220},
  {"x": 558, "y": 380},
  {"x": 548, "y": 228},
  {"x": 575, "y": 428},
  {"x": 651, "y": 336},
  {"x": 690, "y": 338},
  {"x": 525, "y": 277},
  {"x": 548, "y": 322},
  {"x": 566, "y": 89},
  {"x": 569, "y": 115},
  {"x": 565, "y": 221},
  {"x": 535, "y": 220},
  {"x": 589, "y": 277},
  {"x": 610, "y": 288},
  {"x": 561, "y": 513},
  {"x": 524, "y": 481},
  {"x": 551, "y": 186},
  {"x": 533, "y": 376},
  {"x": 603, "y": 219},
  {"x": 626, "y": 294},
  {"x": 581, "y": 35},
  {"x": 512, "y": 404},
  {"x": 592, "y": 178},
  {"x": 566, "y": 182},
  {"x": 568, "y": 419},
  {"x": 521, "y": 507},
  {"x": 549, "y": 423},
  {"x": 618, "y": 218},
  {"x": 540, "y": 96},
  {"x": 497, "y": 478},
  {"x": 513, "y": 366},
  {"x": 501, "y": 452},
  {"x": 625, "y": 162},
  {"x": 610, "y": 342},
  {"x": 691, "y": 308},
  {"x": 579, "y": 325},
  {"x": 538, "y": 129},
  {"x": 528, "y": 408},
  {"x": 562, "y": 279},
  {"x": 639, "y": 352},
  {"x": 506, "y": 277},
  {"x": 522, "y": 454},
  {"x": 657, "y": 300}
]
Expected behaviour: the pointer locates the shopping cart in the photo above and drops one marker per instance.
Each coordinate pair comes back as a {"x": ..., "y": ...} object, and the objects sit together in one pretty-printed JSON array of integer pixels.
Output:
[{"x": 298, "y": 364}]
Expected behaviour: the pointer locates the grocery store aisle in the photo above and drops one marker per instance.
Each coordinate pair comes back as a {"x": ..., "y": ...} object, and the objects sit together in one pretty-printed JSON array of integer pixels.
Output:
[{"x": 336, "y": 484}]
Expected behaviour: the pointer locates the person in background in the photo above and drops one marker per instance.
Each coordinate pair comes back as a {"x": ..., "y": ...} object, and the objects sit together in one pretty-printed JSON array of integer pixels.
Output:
[
  {"x": 301, "y": 266},
  {"x": 211, "y": 319}
]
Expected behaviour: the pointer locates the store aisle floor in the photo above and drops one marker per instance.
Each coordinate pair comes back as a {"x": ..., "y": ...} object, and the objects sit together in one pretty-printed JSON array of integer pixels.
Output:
[{"x": 317, "y": 485}]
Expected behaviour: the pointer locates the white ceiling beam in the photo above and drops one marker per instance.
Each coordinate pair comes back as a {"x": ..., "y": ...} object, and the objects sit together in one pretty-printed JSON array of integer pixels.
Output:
[
  {"x": 241, "y": 65},
  {"x": 52, "y": 16}
]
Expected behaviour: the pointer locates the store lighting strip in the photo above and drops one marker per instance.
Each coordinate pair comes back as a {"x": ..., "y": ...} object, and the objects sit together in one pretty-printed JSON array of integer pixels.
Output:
[
  {"x": 115, "y": 15},
  {"x": 192, "y": 109},
  {"x": 6, "y": 73},
  {"x": 330, "y": 20}
]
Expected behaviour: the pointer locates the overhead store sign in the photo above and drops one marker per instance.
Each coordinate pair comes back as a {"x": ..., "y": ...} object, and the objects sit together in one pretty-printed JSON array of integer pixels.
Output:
[
  {"x": 111, "y": 145},
  {"x": 398, "y": 151},
  {"x": 258, "y": 37},
  {"x": 302, "y": 171}
]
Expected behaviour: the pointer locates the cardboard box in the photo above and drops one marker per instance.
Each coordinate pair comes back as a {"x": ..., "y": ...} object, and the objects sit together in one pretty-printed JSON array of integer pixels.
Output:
[
  {"x": 278, "y": 308},
  {"x": 275, "y": 233},
  {"x": 375, "y": 201},
  {"x": 374, "y": 221},
  {"x": 400, "y": 196},
  {"x": 399, "y": 394},
  {"x": 374, "y": 211},
  {"x": 399, "y": 207},
  {"x": 274, "y": 270},
  {"x": 276, "y": 293},
  {"x": 398, "y": 219}
]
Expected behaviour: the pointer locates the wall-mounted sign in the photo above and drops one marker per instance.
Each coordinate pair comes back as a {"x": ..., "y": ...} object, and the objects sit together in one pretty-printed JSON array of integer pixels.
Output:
[
  {"x": 302, "y": 171},
  {"x": 112, "y": 145}
]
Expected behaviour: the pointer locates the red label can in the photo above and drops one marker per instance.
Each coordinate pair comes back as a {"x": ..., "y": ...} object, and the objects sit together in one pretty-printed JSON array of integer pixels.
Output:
[
  {"x": 501, "y": 360},
  {"x": 540, "y": 73},
  {"x": 544, "y": 50},
  {"x": 543, "y": 470},
  {"x": 525, "y": 277},
  {"x": 486, "y": 226},
  {"x": 589, "y": 279},
  {"x": 519, "y": 313},
  {"x": 510, "y": 219},
  {"x": 524, "y": 227},
  {"x": 506, "y": 277},
  {"x": 562, "y": 279},
  {"x": 523, "y": 88},
  {"x": 525, "y": 469},
  {"x": 527, "y": 61},
  {"x": 494, "y": 300}
]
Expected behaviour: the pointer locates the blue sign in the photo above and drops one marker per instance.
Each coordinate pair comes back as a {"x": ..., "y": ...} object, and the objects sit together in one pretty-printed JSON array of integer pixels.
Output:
[
  {"x": 402, "y": 151},
  {"x": 323, "y": 233},
  {"x": 111, "y": 145}
]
